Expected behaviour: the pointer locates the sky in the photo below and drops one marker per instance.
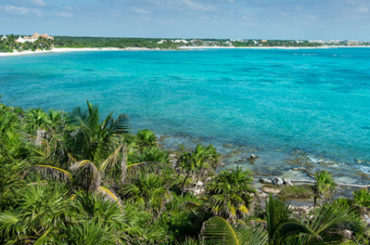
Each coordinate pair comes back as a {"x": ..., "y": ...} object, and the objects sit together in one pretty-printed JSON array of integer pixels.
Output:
[{"x": 235, "y": 19}]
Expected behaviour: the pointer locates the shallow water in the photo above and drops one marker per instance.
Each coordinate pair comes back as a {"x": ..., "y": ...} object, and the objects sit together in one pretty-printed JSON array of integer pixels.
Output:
[{"x": 273, "y": 103}]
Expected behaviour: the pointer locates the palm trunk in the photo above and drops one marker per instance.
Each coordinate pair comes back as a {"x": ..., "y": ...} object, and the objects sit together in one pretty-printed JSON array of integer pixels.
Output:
[
  {"x": 183, "y": 185},
  {"x": 124, "y": 164}
]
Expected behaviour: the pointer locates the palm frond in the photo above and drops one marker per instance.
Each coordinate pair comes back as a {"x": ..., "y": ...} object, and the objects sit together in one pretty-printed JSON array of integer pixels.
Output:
[
  {"x": 8, "y": 222},
  {"x": 110, "y": 195},
  {"x": 48, "y": 171},
  {"x": 44, "y": 239},
  {"x": 327, "y": 216},
  {"x": 120, "y": 125},
  {"x": 141, "y": 166},
  {"x": 291, "y": 228},
  {"x": 254, "y": 236},
  {"x": 277, "y": 213},
  {"x": 111, "y": 160},
  {"x": 217, "y": 230},
  {"x": 191, "y": 204},
  {"x": 90, "y": 172}
]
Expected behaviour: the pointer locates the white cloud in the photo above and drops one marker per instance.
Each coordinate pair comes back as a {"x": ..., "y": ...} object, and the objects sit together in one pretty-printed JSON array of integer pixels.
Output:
[
  {"x": 40, "y": 3},
  {"x": 141, "y": 11},
  {"x": 64, "y": 14},
  {"x": 11, "y": 9},
  {"x": 362, "y": 9},
  {"x": 179, "y": 5},
  {"x": 197, "y": 6}
]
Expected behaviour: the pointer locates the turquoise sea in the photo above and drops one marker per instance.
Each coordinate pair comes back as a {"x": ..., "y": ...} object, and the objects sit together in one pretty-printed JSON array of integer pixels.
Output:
[{"x": 311, "y": 105}]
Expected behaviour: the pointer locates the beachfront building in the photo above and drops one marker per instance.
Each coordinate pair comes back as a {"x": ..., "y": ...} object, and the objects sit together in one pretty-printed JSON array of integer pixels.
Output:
[
  {"x": 162, "y": 42},
  {"x": 353, "y": 43},
  {"x": 316, "y": 41},
  {"x": 229, "y": 43},
  {"x": 180, "y": 41},
  {"x": 33, "y": 38}
]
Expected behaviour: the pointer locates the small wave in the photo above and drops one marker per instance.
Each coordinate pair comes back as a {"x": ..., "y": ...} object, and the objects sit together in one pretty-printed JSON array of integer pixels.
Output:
[
  {"x": 364, "y": 169},
  {"x": 320, "y": 160}
]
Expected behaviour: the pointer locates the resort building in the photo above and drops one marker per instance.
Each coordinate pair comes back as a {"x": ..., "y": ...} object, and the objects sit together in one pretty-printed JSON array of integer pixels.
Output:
[
  {"x": 4, "y": 37},
  {"x": 162, "y": 42},
  {"x": 33, "y": 38},
  {"x": 180, "y": 41},
  {"x": 353, "y": 43}
]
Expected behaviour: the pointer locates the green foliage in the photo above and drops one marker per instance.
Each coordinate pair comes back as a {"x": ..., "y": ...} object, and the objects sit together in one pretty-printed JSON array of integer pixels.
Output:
[
  {"x": 184, "y": 216},
  {"x": 89, "y": 138},
  {"x": 198, "y": 164},
  {"x": 218, "y": 231},
  {"x": 229, "y": 193},
  {"x": 148, "y": 191},
  {"x": 296, "y": 191},
  {"x": 9, "y": 44},
  {"x": 325, "y": 185},
  {"x": 61, "y": 173},
  {"x": 107, "y": 42},
  {"x": 362, "y": 198}
]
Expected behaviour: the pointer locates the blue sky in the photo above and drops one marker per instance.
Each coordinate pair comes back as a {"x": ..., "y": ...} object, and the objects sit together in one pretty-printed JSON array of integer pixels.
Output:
[{"x": 266, "y": 19}]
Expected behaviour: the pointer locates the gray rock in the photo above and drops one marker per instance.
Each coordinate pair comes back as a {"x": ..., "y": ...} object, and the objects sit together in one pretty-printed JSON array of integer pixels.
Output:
[
  {"x": 265, "y": 181},
  {"x": 269, "y": 190},
  {"x": 278, "y": 181},
  {"x": 261, "y": 195},
  {"x": 288, "y": 182},
  {"x": 252, "y": 157},
  {"x": 298, "y": 169}
]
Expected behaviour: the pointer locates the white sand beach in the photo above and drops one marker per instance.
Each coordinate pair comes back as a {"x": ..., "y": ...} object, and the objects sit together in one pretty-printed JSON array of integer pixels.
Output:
[
  {"x": 61, "y": 50},
  {"x": 275, "y": 47}
]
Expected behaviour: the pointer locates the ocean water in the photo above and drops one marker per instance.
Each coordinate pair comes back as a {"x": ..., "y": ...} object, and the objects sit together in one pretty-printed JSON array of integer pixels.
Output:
[{"x": 278, "y": 104}]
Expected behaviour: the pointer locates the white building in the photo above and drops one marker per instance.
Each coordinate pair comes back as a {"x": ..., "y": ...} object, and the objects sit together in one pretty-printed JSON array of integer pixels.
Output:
[
  {"x": 25, "y": 39},
  {"x": 162, "y": 42},
  {"x": 180, "y": 41},
  {"x": 4, "y": 37},
  {"x": 33, "y": 38}
]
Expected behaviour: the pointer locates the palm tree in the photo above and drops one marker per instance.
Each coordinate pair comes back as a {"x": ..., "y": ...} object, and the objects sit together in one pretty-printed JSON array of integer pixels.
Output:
[
  {"x": 198, "y": 163},
  {"x": 217, "y": 231},
  {"x": 148, "y": 191},
  {"x": 229, "y": 193},
  {"x": 88, "y": 138},
  {"x": 281, "y": 223},
  {"x": 39, "y": 210},
  {"x": 48, "y": 214},
  {"x": 282, "y": 227},
  {"x": 87, "y": 176},
  {"x": 324, "y": 186},
  {"x": 146, "y": 138}
]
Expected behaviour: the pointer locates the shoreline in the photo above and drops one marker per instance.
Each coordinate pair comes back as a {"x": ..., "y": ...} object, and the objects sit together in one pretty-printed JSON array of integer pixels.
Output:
[
  {"x": 298, "y": 166},
  {"x": 273, "y": 47},
  {"x": 64, "y": 50},
  {"x": 181, "y": 48}
]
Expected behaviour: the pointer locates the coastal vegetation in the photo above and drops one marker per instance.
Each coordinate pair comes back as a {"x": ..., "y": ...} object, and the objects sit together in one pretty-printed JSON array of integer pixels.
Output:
[
  {"x": 8, "y": 43},
  {"x": 78, "y": 178}
]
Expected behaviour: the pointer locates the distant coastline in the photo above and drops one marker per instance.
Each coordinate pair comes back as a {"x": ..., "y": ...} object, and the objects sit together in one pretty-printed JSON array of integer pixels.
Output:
[{"x": 182, "y": 48}]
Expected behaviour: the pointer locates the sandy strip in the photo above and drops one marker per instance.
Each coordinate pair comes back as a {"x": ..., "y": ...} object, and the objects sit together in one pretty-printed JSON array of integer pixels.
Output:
[
  {"x": 61, "y": 50},
  {"x": 276, "y": 47}
]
